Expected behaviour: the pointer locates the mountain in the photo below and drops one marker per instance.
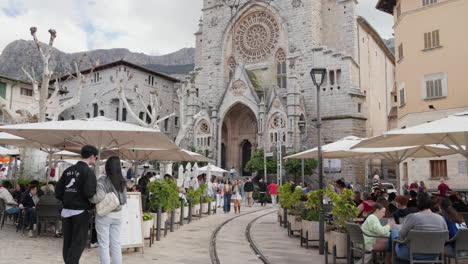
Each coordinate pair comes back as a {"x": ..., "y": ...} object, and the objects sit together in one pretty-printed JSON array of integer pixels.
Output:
[{"x": 22, "y": 53}]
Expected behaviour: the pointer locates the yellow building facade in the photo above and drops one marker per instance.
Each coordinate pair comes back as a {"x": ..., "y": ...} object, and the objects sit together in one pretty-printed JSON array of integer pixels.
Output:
[{"x": 431, "y": 78}]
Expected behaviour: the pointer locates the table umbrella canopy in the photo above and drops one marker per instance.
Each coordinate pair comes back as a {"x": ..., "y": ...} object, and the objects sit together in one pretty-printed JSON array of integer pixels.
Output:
[
  {"x": 451, "y": 131},
  {"x": 344, "y": 148},
  {"x": 8, "y": 152},
  {"x": 101, "y": 132},
  {"x": 66, "y": 155},
  {"x": 212, "y": 169},
  {"x": 142, "y": 154},
  {"x": 9, "y": 139}
]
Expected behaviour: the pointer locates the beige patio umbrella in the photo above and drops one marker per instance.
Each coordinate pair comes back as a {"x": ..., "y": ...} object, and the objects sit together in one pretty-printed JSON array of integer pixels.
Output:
[
  {"x": 344, "y": 148},
  {"x": 451, "y": 132},
  {"x": 145, "y": 154},
  {"x": 100, "y": 132}
]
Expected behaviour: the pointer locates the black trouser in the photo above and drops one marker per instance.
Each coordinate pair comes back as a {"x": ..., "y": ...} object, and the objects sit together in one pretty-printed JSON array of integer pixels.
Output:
[
  {"x": 30, "y": 217},
  {"x": 262, "y": 198},
  {"x": 75, "y": 234}
]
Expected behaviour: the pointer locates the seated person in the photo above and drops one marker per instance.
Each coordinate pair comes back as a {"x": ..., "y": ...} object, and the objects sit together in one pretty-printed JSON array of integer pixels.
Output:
[
  {"x": 357, "y": 198},
  {"x": 28, "y": 203},
  {"x": 10, "y": 203},
  {"x": 423, "y": 220},
  {"x": 391, "y": 202},
  {"x": 386, "y": 204},
  {"x": 458, "y": 203},
  {"x": 373, "y": 227},
  {"x": 413, "y": 202},
  {"x": 366, "y": 206},
  {"x": 19, "y": 191},
  {"x": 454, "y": 221},
  {"x": 403, "y": 210}
]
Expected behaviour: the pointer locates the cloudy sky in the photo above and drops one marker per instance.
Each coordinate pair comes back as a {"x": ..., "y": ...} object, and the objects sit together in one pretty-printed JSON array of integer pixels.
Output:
[{"x": 149, "y": 26}]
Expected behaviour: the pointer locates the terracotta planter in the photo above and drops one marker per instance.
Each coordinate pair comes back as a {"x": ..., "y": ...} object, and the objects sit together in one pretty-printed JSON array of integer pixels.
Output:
[
  {"x": 340, "y": 241},
  {"x": 147, "y": 228},
  {"x": 313, "y": 229}
]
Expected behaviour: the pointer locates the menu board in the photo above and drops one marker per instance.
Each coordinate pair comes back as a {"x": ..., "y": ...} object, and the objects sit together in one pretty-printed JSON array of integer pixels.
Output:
[{"x": 131, "y": 230}]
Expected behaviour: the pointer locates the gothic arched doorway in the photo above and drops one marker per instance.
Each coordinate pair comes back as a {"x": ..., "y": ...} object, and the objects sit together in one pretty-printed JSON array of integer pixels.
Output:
[{"x": 239, "y": 138}]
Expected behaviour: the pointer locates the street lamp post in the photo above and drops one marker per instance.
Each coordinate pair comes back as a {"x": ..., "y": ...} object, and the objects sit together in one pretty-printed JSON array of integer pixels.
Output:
[{"x": 318, "y": 75}]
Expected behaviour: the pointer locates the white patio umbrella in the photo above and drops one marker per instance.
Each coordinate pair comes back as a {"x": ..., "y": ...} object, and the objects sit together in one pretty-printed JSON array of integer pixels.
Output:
[
  {"x": 188, "y": 175},
  {"x": 144, "y": 154},
  {"x": 68, "y": 155},
  {"x": 8, "y": 152},
  {"x": 344, "y": 149},
  {"x": 195, "y": 173},
  {"x": 451, "y": 132},
  {"x": 180, "y": 176},
  {"x": 100, "y": 132},
  {"x": 208, "y": 180},
  {"x": 214, "y": 170}
]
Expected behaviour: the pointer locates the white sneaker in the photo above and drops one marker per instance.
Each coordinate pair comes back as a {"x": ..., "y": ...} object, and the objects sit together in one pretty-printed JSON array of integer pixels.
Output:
[{"x": 94, "y": 245}]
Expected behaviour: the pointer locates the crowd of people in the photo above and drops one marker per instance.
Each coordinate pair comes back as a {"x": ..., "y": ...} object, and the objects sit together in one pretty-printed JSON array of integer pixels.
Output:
[{"x": 414, "y": 210}]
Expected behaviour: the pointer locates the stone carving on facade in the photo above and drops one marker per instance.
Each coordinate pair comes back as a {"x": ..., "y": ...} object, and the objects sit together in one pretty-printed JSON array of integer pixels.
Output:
[
  {"x": 256, "y": 36},
  {"x": 214, "y": 22},
  {"x": 296, "y": 3},
  {"x": 276, "y": 103},
  {"x": 238, "y": 88},
  {"x": 276, "y": 120}
]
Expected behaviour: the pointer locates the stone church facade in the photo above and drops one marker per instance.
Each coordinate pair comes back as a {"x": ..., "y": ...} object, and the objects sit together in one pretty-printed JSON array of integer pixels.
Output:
[{"x": 251, "y": 86}]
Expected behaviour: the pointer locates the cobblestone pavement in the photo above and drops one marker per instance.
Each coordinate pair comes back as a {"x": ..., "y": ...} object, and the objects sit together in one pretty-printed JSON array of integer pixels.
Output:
[{"x": 188, "y": 244}]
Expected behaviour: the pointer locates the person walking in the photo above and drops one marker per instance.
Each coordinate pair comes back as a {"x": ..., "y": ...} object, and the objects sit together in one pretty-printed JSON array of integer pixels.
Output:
[
  {"x": 76, "y": 186},
  {"x": 273, "y": 191},
  {"x": 227, "y": 191},
  {"x": 219, "y": 193},
  {"x": 236, "y": 195},
  {"x": 262, "y": 188},
  {"x": 108, "y": 226},
  {"x": 248, "y": 189}
]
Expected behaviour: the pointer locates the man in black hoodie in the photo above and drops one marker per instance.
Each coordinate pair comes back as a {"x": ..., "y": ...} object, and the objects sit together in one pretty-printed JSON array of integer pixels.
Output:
[{"x": 75, "y": 187}]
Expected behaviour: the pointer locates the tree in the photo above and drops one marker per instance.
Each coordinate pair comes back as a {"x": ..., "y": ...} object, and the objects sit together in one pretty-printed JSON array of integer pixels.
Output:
[
  {"x": 294, "y": 166},
  {"x": 45, "y": 106},
  {"x": 256, "y": 163},
  {"x": 152, "y": 107}
]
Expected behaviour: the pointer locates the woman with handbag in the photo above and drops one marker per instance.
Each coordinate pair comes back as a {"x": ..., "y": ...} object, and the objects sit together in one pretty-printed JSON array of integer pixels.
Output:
[
  {"x": 111, "y": 195},
  {"x": 236, "y": 195}
]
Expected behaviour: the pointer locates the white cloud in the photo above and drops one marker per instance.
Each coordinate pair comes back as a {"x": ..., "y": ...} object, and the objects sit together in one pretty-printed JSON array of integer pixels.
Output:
[{"x": 151, "y": 27}]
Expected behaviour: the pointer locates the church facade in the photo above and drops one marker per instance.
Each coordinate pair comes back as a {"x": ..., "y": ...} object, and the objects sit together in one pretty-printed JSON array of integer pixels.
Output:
[{"x": 251, "y": 87}]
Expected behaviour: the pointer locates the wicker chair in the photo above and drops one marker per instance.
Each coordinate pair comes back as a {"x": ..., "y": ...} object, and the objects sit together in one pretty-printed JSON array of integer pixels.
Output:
[
  {"x": 461, "y": 246},
  {"x": 417, "y": 244}
]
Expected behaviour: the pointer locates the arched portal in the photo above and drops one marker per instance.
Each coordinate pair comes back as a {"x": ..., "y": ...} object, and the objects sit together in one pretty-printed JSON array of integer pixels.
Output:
[{"x": 239, "y": 137}]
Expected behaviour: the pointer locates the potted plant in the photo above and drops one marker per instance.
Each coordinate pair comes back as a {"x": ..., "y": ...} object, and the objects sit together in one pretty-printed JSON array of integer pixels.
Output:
[
  {"x": 147, "y": 224},
  {"x": 310, "y": 227},
  {"x": 343, "y": 210},
  {"x": 296, "y": 209},
  {"x": 163, "y": 193},
  {"x": 284, "y": 194}
]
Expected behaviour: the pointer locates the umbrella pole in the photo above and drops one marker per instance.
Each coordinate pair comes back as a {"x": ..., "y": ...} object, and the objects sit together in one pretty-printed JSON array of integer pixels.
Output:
[
  {"x": 397, "y": 174},
  {"x": 49, "y": 167}
]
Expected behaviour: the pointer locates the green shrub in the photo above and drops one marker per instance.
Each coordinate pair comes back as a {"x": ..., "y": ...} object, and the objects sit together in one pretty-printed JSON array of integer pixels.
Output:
[
  {"x": 284, "y": 193},
  {"x": 147, "y": 216},
  {"x": 164, "y": 193},
  {"x": 343, "y": 208}
]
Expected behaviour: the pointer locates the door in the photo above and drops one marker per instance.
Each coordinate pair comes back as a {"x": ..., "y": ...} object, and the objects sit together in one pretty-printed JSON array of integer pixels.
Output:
[{"x": 246, "y": 155}]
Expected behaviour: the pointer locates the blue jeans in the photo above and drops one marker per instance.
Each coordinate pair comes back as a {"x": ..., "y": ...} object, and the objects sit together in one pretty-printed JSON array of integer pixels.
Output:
[
  {"x": 402, "y": 250},
  {"x": 30, "y": 217},
  {"x": 13, "y": 210},
  {"x": 108, "y": 234},
  {"x": 227, "y": 202}
]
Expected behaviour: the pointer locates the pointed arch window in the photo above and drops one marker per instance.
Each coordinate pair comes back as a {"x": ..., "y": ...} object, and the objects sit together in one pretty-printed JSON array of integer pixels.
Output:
[
  {"x": 232, "y": 67},
  {"x": 281, "y": 73}
]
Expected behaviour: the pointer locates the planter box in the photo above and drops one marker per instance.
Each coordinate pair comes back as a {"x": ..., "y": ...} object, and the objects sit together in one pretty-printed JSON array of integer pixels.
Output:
[
  {"x": 147, "y": 225},
  {"x": 176, "y": 215},
  {"x": 205, "y": 208},
  {"x": 312, "y": 228},
  {"x": 186, "y": 211},
  {"x": 296, "y": 225},
  {"x": 340, "y": 240},
  {"x": 195, "y": 209}
]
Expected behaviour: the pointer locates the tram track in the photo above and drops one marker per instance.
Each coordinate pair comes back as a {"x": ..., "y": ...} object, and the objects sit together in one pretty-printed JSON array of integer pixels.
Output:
[{"x": 212, "y": 247}]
